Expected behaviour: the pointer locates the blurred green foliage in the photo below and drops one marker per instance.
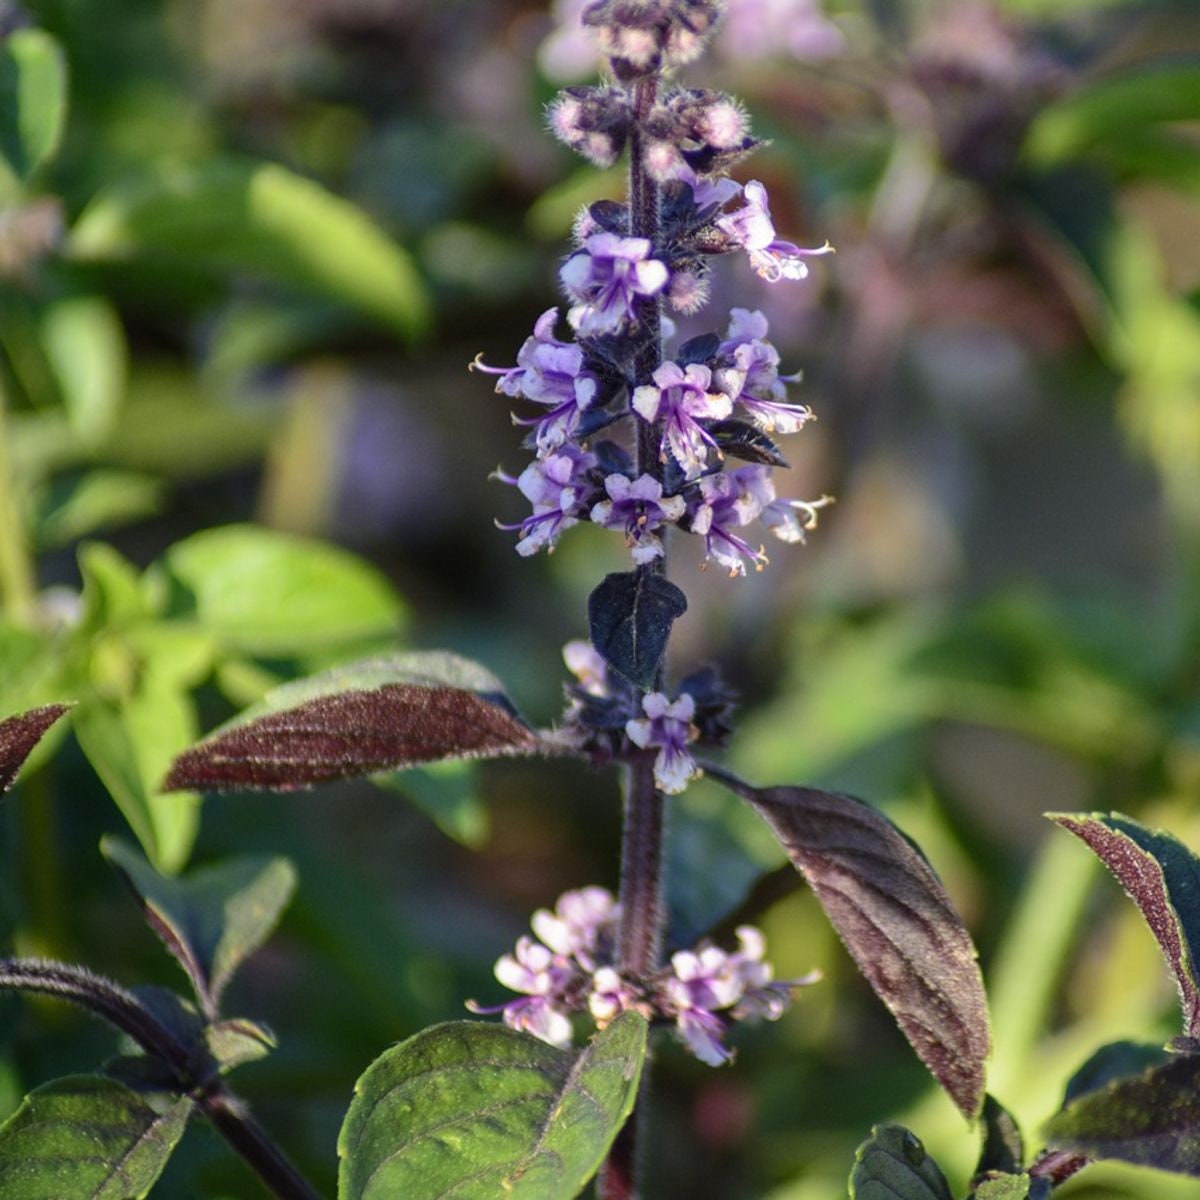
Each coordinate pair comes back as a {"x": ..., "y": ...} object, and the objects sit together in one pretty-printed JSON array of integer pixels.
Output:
[{"x": 246, "y": 250}]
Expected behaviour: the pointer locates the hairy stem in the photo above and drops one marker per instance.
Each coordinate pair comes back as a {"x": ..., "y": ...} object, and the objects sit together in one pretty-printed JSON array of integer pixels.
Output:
[
  {"x": 640, "y": 937},
  {"x": 123, "y": 1010}
]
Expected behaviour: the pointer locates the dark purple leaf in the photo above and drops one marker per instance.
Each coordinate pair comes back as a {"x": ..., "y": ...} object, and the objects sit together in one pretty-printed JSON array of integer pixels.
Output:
[
  {"x": 698, "y": 349},
  {"x": 630, "y": 617},
  {"x": 747, "y": 442},
  {"x": 379, "y": 715},
  {"x": 1114, "y": 1061},
  {"x": 1003, "y": 1149},
  {"x": 893, "y": 914},
  {"x": 19, "y": 735},
  {"x": 1152, "y": 1119},
  {"x": 1162, "y": 877}
]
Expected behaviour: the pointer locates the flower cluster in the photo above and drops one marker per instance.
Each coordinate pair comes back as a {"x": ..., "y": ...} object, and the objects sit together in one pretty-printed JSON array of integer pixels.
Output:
[
  {"x": 570, "y": 968},
  {"x": 719, "y": 397}
]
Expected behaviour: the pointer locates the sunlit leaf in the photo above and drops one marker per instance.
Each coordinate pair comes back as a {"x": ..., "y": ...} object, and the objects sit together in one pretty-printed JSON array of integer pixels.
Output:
[
  {"x": 235, "y": 1042},
  {"x": 87, "y": 1138},
  {"x": 33, "y": 100},
  {"x": 384, "y": 713},
  {"x": 270, "y": 593},
  {"x": 481, "y": 1111},
  {"x": 258, "y": 219},
  {"x": 97, "y": 499},
  {"x": 895, "y": 918},
  {"x": 892, "y": 1165},
  {"x": 18, "y": 736},
  {"x": 213, "y": 918},
  {"x": 1162, "y": 877}
]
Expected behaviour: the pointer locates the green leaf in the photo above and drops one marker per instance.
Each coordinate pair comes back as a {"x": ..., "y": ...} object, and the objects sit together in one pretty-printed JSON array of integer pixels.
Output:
[
  {"x": 213, "y": 918},
  {"x": 385, "y": 713},
  {"x": 1162, "y": 877},
  {"x": 235, "y": 1042},
  {"x": 892, "y": 1165},
  {"x": 33, "y": 100},
  {"x": 1152, "y": 1119},
  {"x": 260, "y": 219},
  {"x": 276, "y": 594},
  {"x": 113, "y": 595},
  {"x": 87, "y": 1138},
  {"x": 446, "y": 792},
  {"x": 98, "y": 499},
  {"x": 85, "y": 346},
  {"x": 1009, "y": 1187},
  {"x": 130, "y": 744},
  {"x": 1113, "y": 106},
  {"x": 630, "y": 617},
  {"x": 480, "y": 1111}
]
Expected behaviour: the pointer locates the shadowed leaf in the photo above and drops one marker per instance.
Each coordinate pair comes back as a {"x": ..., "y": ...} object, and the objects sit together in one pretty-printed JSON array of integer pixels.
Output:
[
  {"x": 1118, "y": 1060},
  {"x": 212, "y": 919},
  {"x": 377, "y": 715},
  {"x": 33, "y": 100},
  {"x": 745, "y": 441},
  {"x": 237, "y": 1041},
  {"x": 630, "y": 616},
  {"x": 479, "y": 1111},
  {"x": 892, "y": 913},
  {"x": 1003, "y": 1148},
  {"x": 1152, "y": 1119},
  {"x": 87, "y": 1138},
  {"x": 892, "y": 1165},
  {"x": 19, "y": 735},
  {"x": 1162, "y": 877}
]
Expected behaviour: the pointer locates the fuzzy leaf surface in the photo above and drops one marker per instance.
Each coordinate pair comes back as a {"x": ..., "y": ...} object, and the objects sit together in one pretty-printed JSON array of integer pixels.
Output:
[
  {"x": 630, "y": 617},
  {"x": 1162, "y": 877},
  {"x": 479, "y": 1111},
  {"x": 892, "y": 1165},
  {"x": 1152, "y": 1119},
  {"x": 215, "y": 917},
  {"x": 1117, "y": 1060},
  {"x": 895, "y": 918},
  {"x": 1011, "y": 1187},
  {"x": 380, "y": 714},
  {"x": 87, "y": 1138},
  {"x": 19, "y": 735}
]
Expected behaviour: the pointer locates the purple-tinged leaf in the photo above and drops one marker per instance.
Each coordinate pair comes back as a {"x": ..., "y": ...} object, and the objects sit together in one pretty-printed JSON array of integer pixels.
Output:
[
  {"x": 212, "y": 919},
  {"x": 19, "y": 735},
  {"x": 1003, "y": 1150},
  {"x": 1152, "y": 1119},
  {"x": 747, "y": 442},
  {"x": 1117, "y": 1060},
  {"x": 1162, "y": 877},
  {"x": 894, "y": 916},
  {"x": 382, "y": 714},
  {"x": 630, "y": 617}
]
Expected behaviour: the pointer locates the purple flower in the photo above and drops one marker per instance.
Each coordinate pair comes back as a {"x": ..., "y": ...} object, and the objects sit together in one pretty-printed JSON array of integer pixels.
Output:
[
  {"x": 752, "y": 379},
  {"x": 559, "y": 489},
  {"x": 682, "y": 397},
  {"x": 762, "y": 997},
  {"x": 668, "y": 726},
  {"x": 727, "y": 502},
  {"x": 751, "y": 228},
  {"x": 783, "y": 517},
  {"x": 606, "y": 277},
  {"x": 639, "y": 507},
  {"x": 543, "y": 977},
  {"x": 700, "y": 983},
  {"x": 548, "y": 372},
  {"x": 709, "y": 192},
  {"x": 582, "y": 926},
  {"x": 610, "y": 996},
  {"x": 588, "y": 666}
]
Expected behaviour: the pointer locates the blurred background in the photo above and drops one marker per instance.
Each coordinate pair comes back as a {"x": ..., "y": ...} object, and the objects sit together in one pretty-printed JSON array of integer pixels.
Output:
[{"x": 242, "y": 273}]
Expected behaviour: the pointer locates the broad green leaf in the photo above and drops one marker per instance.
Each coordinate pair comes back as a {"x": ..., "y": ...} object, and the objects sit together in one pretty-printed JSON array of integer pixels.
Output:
[
  {"x": 1162, "y": 877},
  {"x": 1152, "y": 1119},
  {"x": 98, "y": 499},
  {"x": 896, "y": 920},
  {"x": 33, "y": 100},
  {"x": 1106, "y": 109},
  {"x": 214, "y": 917},
  {"x": 447, "y": 793},
  {"x": 481, "y": 1111},
  {"x": 130, "y": 743},
  {"x": 892, "y": 1165},
  {"x": 87, "y": 1138},
  {"x": 384, "y": 713},
  {"x": 18, "y": 736},
  {"x": 276, "y": 594},
  {"x": 85, "y": 346},
  {"x": 235, "y": 1042},
  {"x": 258, "y": 219}
]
